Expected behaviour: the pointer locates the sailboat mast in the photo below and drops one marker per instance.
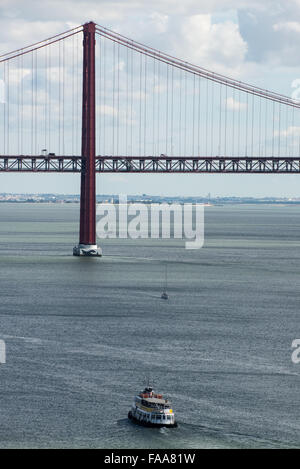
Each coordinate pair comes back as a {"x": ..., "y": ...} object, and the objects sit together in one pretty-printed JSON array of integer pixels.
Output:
[{"x": 166, "y": 277}]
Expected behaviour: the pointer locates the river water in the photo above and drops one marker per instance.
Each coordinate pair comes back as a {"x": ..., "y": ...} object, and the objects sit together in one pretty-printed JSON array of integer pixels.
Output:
[{"x": 81, "y": 333}]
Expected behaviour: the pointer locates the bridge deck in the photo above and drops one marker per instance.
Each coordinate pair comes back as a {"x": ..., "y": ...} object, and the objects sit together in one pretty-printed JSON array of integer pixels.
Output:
[{"x": 151, "y": 164}]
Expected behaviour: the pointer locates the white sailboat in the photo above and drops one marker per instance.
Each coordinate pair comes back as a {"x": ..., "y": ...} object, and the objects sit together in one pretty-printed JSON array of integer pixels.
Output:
[{"x": 164, "y": 295}]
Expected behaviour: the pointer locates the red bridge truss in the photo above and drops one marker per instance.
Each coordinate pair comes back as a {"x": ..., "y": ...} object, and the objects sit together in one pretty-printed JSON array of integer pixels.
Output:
[{"x": 150, "y": 164}]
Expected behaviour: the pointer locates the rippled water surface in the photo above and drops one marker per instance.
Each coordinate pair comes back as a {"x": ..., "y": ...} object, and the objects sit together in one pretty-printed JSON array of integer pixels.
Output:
[{"x": 82, "y": 333}]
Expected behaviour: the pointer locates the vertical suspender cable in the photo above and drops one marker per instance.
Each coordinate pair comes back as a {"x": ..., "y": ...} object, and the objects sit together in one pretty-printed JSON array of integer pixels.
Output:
[
  {"x": 63, "y": 97},
  {"x": 167, "y": 109},
  {"x": 299, "y": 146},
  {"x": 158, "y": 108},
  {"x": 127, "y": 100},
  {"x": 3, "y": 114},
  {"x": 118, "y": 100},
  {"x": 59, "y": 98},
  {"x": 233, "y": 122},
  {"x": 199, "y": 113},
  {"x": 50, "y": 103},
  {"x": 36, "y": 103},
  {"x": 140, "y": 113},
  {"x": 8, "y": 107},
  {"x": 153, "y": 109},
  {"x": 32, "y": 86},
  {"x": 113, "y": 100},
  {"x": 273, "y": 131},
  {"x": 293, "y": 132},
  {"x": 286, "y": 132},
  {"x": 212, "y": 119},
  {"x": 77, "y": 95},
  {"x": 22, "y": 102},
  {"x": 145, "y": 105},
  {"x": 220, "y": 120},
  {"x": 73, "y": 91},
  {"x": 252, "y": 132},
  {"x": 239, "y": 125},
  {"x": 185, "y": 111},
  {"x": 225, "y": 136},
  {"x": 131, "y": 105},
  {"x": 193, "y": 137},
  {"x": 180, "y": 113},
  {"x": 104, "y": 95},
  {"x": 259, "y": 129},
  {"x": 4, "y": 108},
  {"x": 279, "y": 128},
  {"x": 19, "y": 98},
  {"x": 46, "y": 96},
  {"x": 206, "y": 131},
  {"x": 266, "y": 128},
  {"x": 172, "y": 108},
  {"x": 247, "y": 113}
]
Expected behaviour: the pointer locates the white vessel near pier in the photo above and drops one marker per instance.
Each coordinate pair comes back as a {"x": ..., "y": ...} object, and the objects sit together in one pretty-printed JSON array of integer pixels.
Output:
[{"x": 87, "y": 250}]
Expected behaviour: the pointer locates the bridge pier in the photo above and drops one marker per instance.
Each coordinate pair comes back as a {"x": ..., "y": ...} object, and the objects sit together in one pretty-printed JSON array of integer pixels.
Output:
[{"x": 87, "y": 239}]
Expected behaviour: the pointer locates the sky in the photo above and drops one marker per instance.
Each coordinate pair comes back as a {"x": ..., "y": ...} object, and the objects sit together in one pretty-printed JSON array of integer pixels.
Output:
[{"x": 253, "y": 41}]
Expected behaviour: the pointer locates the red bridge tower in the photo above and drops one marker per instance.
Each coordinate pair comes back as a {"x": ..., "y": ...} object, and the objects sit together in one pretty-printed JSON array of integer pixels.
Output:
[{"x": 87, "y": 239}]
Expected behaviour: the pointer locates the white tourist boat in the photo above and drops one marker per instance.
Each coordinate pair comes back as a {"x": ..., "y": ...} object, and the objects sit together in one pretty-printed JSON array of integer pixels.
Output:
[{"x": 152, "y": 410}]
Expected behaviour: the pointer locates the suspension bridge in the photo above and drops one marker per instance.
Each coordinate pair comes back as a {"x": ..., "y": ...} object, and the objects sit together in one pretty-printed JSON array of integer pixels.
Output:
[{"x": 110, "y": 104}]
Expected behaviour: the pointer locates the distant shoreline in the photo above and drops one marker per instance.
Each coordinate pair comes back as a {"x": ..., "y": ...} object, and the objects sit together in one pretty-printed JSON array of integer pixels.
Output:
[
  {"x": 209, "y": 199},
  {"x": 211, "y": 203}
]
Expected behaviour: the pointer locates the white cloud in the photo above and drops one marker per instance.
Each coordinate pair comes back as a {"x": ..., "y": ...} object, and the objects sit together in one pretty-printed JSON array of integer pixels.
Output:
[
  {"x": 291, "y": 131},
  {"x": 235, "y": 105},
  {"x": 107, "y": 110},
  {"x": 287, "y": 26},
  {"x": 110, "y": 111},
  {"x": 160, "y": 22},
  {"x": 296, "y": 93},
  {"x": 219, "y": 46},
  {"x": 120, "y": 66},
  {"x": 272, "y": 32},
  {"x": 160, "y": 88}
]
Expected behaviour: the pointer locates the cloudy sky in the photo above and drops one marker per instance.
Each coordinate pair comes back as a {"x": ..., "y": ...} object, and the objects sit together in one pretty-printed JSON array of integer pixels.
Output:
[{"x": 254, "y": 41}]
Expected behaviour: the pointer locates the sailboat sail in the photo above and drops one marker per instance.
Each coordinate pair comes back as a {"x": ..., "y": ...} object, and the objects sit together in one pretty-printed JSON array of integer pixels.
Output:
[{"x": 165, "y": 295}]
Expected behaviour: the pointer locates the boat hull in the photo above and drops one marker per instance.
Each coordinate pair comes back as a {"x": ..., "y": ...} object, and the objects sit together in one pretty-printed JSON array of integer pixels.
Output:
[{"x": 150, "y": 424}]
